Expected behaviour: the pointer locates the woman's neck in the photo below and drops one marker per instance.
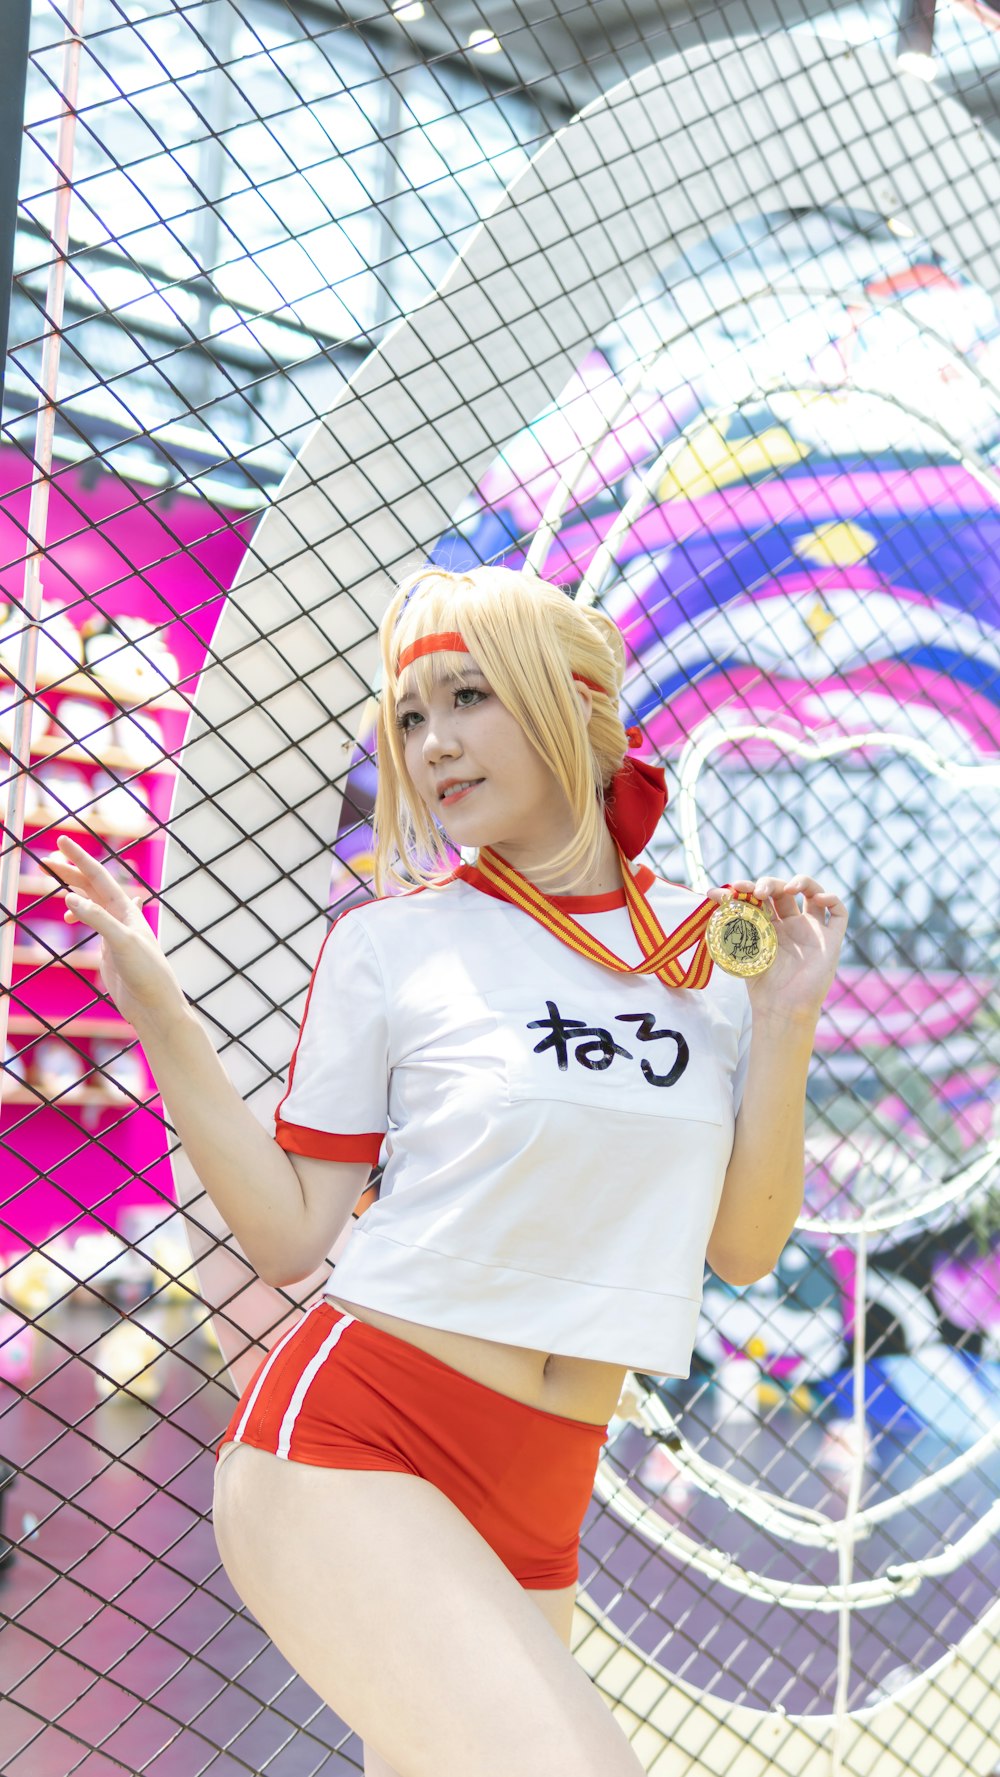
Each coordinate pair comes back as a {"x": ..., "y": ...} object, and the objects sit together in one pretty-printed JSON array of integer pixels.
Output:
[{"x": 603, "y": 879}]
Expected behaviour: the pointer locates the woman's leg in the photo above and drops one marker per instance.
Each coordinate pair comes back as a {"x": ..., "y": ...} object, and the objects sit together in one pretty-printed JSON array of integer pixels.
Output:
[
  {"x": 405, "y": 1622},
  {"x": 556, "y": 1607},
  {"x": 376, "y": 1766}
]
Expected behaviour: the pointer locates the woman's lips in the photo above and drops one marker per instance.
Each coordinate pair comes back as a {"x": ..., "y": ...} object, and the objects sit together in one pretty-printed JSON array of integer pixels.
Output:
[{"x": 456, "y": 795}]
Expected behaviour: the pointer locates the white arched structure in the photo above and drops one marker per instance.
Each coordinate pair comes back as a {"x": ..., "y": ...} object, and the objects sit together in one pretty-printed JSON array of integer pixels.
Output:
[{"x": 692, "y": 144}]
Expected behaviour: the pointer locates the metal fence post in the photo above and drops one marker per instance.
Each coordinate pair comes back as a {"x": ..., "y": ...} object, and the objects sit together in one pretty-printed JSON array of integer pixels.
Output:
[{"x": 15, "y": 18}]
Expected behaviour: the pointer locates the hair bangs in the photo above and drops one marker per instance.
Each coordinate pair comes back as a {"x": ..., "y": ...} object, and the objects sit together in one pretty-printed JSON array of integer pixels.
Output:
[
  {"x": 428, "y": 606},
  {"x": 428, "y": 670}
]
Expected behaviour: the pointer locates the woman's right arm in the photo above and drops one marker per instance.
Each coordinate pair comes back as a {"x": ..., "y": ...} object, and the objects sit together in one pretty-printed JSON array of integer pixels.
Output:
[{"x": 285, "y": 1210}]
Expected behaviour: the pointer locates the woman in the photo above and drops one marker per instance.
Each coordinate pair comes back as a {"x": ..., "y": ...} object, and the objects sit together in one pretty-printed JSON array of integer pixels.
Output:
[{"x": 575, "y": 1107}]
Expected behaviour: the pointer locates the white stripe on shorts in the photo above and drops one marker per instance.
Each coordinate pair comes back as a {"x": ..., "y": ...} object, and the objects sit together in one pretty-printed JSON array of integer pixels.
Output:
[
  {"x": 302, "y": 1386},
  {"x": 262, "y": 1378}
]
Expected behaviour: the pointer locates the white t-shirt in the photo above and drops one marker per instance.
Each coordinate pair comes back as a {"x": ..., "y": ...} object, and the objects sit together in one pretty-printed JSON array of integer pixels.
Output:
[{"x": 555, "y": 1133}]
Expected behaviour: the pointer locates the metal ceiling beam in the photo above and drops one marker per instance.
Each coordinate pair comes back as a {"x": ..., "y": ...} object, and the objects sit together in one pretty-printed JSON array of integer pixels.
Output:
[{"x": 565, "y": 53}]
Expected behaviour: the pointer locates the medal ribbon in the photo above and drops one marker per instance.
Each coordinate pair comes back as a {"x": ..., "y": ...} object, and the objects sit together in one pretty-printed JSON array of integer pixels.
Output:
[{"x": 661, "y": 953}]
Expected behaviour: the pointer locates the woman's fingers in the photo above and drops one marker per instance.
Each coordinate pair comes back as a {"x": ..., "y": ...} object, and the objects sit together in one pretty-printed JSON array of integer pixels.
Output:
[
  {"x": 59, "y": 866},
  {"x": 818, "y": 901},
  {"x": 113, "y": 921},
  {"x": 69, "y": 853},
  {"x": 84, "y": 875},
  {"x": 803, "y": 885},
  {"x": 784, "y": 895},
  {"x": 836, "y": 909},
  {"x": 81, "y": 911},
  {"x": 780, "y": 893},
  {"x": 785, "y": 892}
]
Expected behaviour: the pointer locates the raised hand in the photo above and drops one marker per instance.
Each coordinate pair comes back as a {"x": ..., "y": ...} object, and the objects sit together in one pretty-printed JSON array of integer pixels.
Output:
[
  {"x": 134, "y": 969},
  {"x": 809, "y": 942}
]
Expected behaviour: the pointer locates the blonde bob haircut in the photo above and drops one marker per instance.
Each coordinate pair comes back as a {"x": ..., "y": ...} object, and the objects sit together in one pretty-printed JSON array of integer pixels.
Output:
[{"x": 529, "y": 638}]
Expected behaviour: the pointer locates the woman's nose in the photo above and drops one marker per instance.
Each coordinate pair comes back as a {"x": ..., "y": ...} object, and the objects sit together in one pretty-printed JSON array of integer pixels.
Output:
[{"x": 438, "y": 744}]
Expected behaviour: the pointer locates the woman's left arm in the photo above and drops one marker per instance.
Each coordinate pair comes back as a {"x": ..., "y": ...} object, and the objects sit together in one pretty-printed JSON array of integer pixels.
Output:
[{"x": 762, "y": 1193}]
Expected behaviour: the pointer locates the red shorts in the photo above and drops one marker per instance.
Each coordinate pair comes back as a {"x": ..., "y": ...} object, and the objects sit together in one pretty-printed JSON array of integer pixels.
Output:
[{"x": 339, "y": 1393}]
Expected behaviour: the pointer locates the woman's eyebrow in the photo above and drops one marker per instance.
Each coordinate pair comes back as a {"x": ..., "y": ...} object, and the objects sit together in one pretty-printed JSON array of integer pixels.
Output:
[{"x": 452, "y": 677}]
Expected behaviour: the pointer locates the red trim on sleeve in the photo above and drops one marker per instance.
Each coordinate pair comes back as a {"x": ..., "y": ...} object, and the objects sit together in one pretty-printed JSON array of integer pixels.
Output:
[{"x": 318, "y": 1144}]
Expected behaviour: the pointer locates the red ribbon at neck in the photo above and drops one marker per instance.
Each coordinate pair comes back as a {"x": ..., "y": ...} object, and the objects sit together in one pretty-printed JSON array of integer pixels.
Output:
[{"x": 634, "y": 801}]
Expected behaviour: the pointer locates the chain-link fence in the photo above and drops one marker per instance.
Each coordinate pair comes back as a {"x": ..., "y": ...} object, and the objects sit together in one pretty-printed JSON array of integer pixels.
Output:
[{"x": 721, "y": 353}]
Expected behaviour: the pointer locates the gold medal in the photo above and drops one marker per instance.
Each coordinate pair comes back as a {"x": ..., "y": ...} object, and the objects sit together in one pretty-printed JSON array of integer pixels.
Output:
[{"x": 740, "y": 936}]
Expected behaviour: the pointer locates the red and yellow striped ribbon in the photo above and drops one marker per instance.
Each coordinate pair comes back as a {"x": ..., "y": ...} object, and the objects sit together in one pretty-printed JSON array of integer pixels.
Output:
[{"x": 661, "y": 953}]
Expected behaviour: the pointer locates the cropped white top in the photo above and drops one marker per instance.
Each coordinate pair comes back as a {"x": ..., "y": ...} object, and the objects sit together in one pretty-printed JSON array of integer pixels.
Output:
[{"x": 555, "y": 1134}]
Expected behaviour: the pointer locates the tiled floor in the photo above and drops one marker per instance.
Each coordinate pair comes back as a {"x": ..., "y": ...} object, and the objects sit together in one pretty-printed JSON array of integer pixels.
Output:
[{"x": 125, "y": 1649}]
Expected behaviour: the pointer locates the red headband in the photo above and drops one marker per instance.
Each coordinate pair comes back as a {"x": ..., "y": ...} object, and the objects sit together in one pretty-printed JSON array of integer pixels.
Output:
[
  {"x": 451, "y": 643},
  {"x": 637, "y": 795}
]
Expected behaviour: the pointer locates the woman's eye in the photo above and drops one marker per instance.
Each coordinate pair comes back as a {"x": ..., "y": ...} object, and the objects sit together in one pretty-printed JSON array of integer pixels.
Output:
[{"x": 405, "y": 722}]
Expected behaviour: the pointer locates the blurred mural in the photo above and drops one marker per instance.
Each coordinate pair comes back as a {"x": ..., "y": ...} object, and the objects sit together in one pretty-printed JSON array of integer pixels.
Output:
[{"x": 780, "y": 472}]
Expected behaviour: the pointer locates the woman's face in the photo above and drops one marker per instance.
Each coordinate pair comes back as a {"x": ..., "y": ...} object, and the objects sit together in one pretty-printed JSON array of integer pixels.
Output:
[{"x": 465, "y": 733}]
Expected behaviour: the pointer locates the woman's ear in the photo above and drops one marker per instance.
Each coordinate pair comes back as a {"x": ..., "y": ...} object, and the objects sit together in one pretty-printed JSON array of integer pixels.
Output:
[{"x": 586, "y": 697}]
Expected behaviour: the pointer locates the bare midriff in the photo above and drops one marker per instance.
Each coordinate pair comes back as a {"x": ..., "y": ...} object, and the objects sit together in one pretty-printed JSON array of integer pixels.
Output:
[{"x": 571, "y": 1387}]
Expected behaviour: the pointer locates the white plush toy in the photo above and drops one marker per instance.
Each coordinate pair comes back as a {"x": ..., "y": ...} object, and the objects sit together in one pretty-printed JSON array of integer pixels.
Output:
[
  {"x": 121, "y": 1069},
  {"x": 121, "y": 809},
  {"x": 15, "y": 1063},
  {"x": 80, "y": 719},
  {"x": 65, "y": 788},
  {"x": 130, "y": 658},
  {"x": 56, "y": 1067},
  {"x": 60, "y": 645},
  {"x": 141, "y": 737}
]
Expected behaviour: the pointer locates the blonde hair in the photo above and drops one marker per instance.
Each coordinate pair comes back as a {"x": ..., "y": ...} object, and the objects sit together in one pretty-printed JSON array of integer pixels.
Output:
[{"x": 529, "y": 638}]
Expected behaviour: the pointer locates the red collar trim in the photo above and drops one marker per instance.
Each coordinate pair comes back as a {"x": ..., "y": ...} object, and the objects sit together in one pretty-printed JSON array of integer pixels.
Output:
[{"x": 644, "y": 879}]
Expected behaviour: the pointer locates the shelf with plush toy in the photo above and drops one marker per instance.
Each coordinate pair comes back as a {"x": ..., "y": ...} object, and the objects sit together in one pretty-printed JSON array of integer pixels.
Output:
[
  {"x": 123, "y": 660},
  {"x": 86, "y": 1062},
  {"x": 106, "y": 723},
  {"x": 95, "y": 754}
]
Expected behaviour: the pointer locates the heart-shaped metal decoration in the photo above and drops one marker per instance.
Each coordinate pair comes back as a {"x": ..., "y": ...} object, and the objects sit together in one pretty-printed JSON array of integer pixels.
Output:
[{"x": 866, "y": 1168}]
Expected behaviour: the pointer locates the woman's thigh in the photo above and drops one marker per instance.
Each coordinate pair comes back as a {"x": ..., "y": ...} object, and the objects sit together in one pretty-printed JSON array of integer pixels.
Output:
[
  {"x": 556, "y": 1607},
  {"x": 407, "y": 1624}
]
